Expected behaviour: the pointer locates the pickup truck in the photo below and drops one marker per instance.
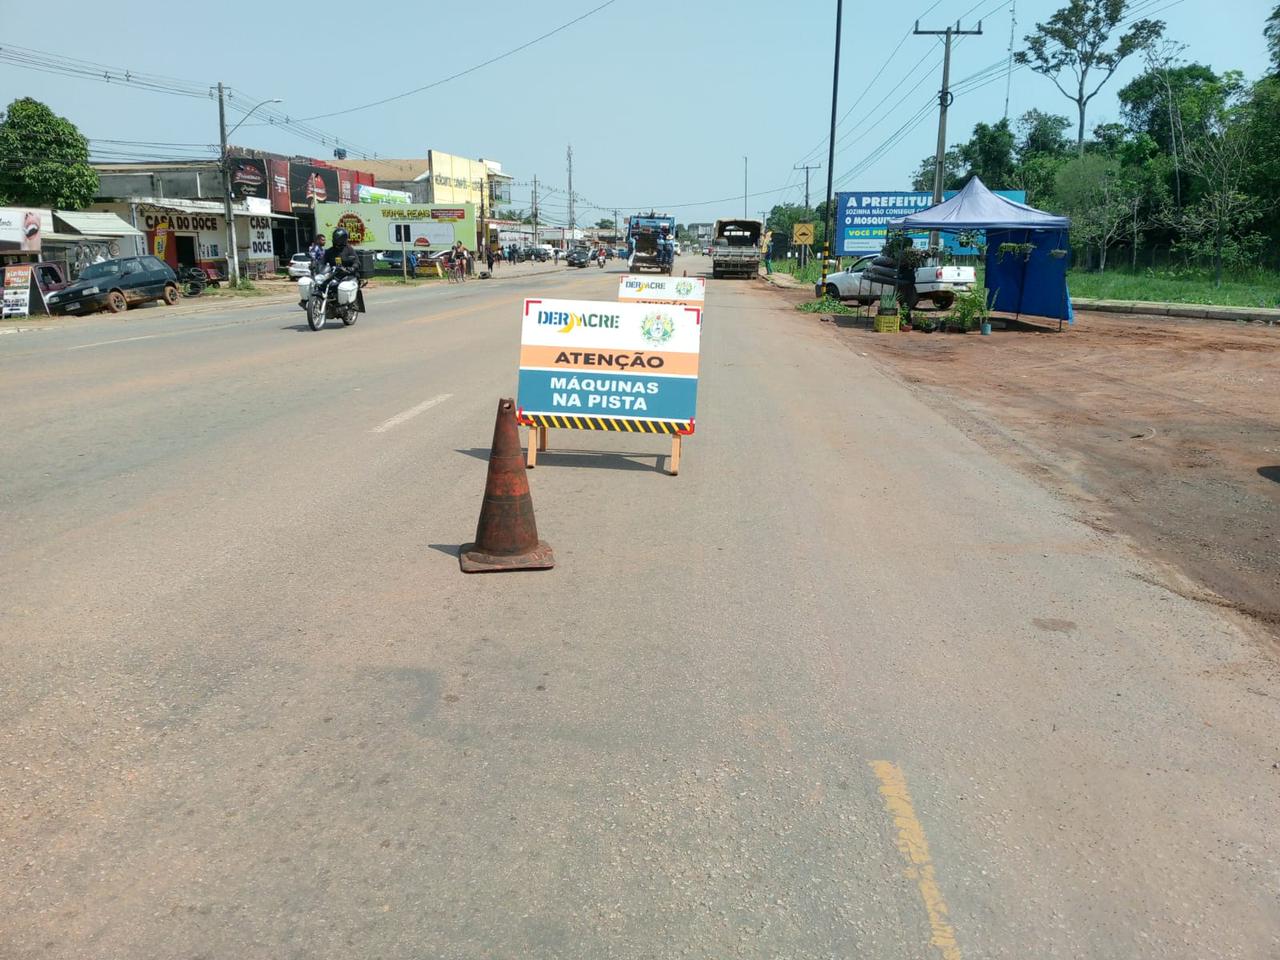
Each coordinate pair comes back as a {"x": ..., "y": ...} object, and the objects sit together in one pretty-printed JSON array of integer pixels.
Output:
[
  {"x": 936, "y": 283},
  {"x": 735, "y": 251}
]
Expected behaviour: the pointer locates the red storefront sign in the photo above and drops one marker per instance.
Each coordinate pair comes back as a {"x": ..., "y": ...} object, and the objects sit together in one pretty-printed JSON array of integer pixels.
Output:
[
  {"x": 346, "y": 186},
  {"x": 278, "y": 173}
]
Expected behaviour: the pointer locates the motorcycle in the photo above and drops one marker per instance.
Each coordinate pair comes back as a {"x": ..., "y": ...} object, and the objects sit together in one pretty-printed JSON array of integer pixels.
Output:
[
  {"x": 600, "y": 261},
  {"x": 330, "y": 295}
]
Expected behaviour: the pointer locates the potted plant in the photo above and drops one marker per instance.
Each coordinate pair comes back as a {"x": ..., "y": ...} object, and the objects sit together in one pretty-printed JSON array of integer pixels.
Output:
[
  {"x": 904, "y": 317},
  {"x": 887, "y": 306},
  {"x": 970, "y": 311}
]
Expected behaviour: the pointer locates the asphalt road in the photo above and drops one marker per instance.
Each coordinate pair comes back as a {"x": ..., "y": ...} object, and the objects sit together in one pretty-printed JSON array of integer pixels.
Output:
[{"x": 846, "y": 687}]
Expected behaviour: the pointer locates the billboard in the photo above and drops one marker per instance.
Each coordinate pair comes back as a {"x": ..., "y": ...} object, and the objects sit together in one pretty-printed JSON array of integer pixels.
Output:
[
  {"x": 21, "y": 228},
  {"x": 861, "y": 216},
  {"x": 281, "y": 202},
  {"x": 248, "y": 178},
  {"x": 310, "y": 185},
  {"x": 373, "y": 225}
]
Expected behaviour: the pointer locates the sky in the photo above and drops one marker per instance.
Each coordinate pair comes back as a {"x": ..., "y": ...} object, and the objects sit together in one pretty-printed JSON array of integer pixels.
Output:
[{"x": 660, "y": 101}]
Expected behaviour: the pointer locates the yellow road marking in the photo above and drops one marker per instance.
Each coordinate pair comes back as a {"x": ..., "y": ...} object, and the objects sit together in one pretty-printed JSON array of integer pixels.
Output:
[{"x": 915, "y": 851}]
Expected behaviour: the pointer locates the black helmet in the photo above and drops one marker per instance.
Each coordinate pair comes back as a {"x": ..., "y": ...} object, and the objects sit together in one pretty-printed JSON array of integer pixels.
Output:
[{"x": 340, "y": 237}]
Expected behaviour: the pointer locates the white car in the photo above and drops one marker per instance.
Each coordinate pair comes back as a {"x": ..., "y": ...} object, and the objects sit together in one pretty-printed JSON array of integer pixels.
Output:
[
  {"x": 299, "y": 266},
  {"x": 937, "y": 283}
]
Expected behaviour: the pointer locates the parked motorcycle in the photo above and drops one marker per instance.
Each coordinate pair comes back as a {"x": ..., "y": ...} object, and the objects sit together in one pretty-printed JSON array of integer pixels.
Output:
[{"x": 331, "y": 294}]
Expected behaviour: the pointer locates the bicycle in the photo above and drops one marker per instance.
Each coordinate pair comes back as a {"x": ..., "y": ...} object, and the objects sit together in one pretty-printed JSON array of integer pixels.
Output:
[
  {"x": 192, "y": 281},
  {"x": 457, "y": 271}
]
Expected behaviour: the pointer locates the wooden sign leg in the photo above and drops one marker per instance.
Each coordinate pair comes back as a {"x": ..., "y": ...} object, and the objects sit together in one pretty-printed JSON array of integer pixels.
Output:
[
  {"x": 542, "y": 439},
  {"x": 535, "y": 444},
  {"x": 674, "y": 467}
]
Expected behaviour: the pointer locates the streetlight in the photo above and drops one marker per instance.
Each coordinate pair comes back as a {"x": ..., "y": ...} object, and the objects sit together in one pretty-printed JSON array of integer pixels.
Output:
[{"x": 233, "y": 263}]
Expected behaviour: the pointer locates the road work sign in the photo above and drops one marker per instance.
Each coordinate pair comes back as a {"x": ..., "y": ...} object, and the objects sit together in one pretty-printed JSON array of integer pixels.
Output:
[
  {"x": 690, "y": 291},
  {"x": 592, "y": 365},
  {"x": 802, "y": 233}
]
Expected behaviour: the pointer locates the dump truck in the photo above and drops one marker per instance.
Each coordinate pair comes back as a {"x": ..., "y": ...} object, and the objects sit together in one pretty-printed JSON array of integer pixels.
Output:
[
  {"x": 735, "y": 248},
  {"x": 645, "y": 240}
]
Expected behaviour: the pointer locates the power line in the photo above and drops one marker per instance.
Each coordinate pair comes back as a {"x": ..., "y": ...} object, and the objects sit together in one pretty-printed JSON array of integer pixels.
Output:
[
  {"x": 45, "y": 62},
  {"x": 463, "y": 73}
]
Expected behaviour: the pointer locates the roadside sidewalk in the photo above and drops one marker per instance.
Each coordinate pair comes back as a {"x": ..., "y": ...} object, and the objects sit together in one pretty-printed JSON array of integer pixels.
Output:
[
  {"x": 1146, "y": 308},
  {"x": 1192, "y": 311}
]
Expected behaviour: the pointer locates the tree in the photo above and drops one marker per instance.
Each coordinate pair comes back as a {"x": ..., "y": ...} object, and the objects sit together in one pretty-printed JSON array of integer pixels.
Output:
[
  {"x": 1149, "y": 101},
  {"x": 1272, "y": 33},
  {"x": 1099, "y": 201},
  {"x": 1041, "y": 133},
  {"x": 989, "y": 155},
  {"x": 1221, "y": 161},
  {"x": 1074, "y": 41},
  {"x": 924, "y": 175},
  {"x": 604, "y": 223},
  {"x": 45, "y": 159},
  {"x": 1108, "y": 138}
]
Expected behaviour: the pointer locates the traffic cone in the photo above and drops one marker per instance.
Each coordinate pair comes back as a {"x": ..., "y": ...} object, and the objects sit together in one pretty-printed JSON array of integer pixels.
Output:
[{"x": 506, "y": 536}]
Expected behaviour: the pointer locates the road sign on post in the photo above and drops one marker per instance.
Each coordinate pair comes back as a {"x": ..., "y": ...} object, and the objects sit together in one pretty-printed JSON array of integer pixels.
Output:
[
  {"x": 802, "y": 234},
  {"x": 627, "y": 367}
]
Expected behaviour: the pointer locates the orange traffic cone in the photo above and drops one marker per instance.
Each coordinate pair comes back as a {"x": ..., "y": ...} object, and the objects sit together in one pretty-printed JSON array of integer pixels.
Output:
[{"x": 506, "y": 536}]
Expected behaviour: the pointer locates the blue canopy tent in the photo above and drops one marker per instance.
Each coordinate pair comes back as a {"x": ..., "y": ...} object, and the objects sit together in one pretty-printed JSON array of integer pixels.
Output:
[{"x": 1034, "y": 284}]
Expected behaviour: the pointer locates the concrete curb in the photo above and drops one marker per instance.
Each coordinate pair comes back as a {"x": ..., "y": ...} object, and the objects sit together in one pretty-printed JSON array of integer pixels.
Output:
[{"x": 1188, "y": 311}]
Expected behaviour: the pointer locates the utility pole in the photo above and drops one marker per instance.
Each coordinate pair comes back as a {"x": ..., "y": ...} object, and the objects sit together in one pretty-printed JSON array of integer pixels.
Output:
[
  {"x": 1008, "y": 73},
  {"x": 568, "y": 239},
  {"x": 828, "y": 221},
  {"x": 617, "y": 227},
  {"x": 744, "y": 188},
  {"x": 233, "y": 266},
  {"x": 806, "y": 167},
  {"x": 944, "y": 101},
  {"x": 535, "y": 210}
]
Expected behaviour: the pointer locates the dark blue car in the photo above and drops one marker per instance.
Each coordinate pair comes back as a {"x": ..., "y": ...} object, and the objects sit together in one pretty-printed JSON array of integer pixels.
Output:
[{"x": 116, "y": 285}]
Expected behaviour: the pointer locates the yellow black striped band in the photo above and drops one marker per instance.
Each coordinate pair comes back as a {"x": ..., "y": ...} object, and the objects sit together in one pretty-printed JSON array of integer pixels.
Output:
[{"x": 620, "y": 424}]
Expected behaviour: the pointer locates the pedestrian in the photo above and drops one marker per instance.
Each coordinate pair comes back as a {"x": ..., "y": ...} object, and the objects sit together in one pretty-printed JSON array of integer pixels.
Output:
[
  {"x": 412, "y": 261},
  {"x": 489, "y": 259},
  {"x": 316, "y": 250},
  {"x": 555, "y": 255},
  {"x": 768, "y": 253}
]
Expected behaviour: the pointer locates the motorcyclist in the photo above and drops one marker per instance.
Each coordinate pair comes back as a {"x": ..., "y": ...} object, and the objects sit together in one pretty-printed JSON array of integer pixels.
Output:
[
  {"x": 344, "y": 261},
  {"x": 342, "y": 255}
]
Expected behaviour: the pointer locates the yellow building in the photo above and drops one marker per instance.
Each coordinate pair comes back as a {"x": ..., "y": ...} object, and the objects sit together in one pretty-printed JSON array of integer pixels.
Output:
[{"x": 456, "y": 179}]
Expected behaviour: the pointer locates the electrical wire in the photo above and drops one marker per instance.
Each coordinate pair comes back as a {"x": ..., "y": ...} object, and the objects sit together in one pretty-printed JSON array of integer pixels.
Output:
[{"x": 462, "y": 73}]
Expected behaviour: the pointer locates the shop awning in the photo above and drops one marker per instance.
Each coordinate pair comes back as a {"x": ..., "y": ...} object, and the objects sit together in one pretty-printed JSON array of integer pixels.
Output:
[{"x": 94, "y": 224}]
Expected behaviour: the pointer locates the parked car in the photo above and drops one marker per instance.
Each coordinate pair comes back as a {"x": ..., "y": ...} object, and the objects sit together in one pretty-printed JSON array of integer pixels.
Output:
[
  {"x": 578, "y": 257},
  {"x": 533, "y": 253},
  {"x": 867, "y": 280},
  {"x": 116, "y": 285},
  {"x": 299, "y": 265},
  {"x": 392, "y": 260}
]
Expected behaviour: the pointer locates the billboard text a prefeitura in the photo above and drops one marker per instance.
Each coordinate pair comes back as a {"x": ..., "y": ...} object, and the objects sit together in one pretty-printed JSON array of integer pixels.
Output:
[{"x": 861, "y": 217}]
